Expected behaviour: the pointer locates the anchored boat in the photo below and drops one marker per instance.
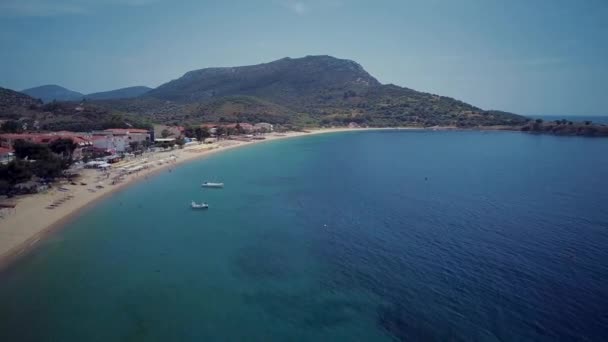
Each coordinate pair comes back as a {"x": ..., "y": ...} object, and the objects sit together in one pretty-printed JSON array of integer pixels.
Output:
[
  {"x": 212, "y": 185},
  {"x": 195, "y": 205}
]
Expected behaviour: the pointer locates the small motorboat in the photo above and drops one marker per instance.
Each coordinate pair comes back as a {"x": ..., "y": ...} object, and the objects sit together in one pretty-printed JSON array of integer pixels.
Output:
[
  {"x": 212, "y": 185},
  {"x": 195, "y": 205}
]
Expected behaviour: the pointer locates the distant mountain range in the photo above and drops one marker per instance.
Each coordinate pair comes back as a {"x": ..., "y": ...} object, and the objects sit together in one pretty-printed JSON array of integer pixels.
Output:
[
  {"x": 123, "y": 93},
  {"x": 52, "y": 92},
  {"x": 308, "y": 91}
]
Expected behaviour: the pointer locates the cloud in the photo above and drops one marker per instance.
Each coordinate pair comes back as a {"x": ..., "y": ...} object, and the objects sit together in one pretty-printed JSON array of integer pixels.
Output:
[{"x": 48, "y": 8}]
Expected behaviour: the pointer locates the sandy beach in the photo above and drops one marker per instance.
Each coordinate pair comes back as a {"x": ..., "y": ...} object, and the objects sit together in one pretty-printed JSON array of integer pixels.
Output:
[{"x": 22, "y": 228}]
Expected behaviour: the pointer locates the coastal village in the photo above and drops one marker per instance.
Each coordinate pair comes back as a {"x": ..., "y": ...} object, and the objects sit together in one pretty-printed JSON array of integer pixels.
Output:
[{"x": 115, "y": 147}]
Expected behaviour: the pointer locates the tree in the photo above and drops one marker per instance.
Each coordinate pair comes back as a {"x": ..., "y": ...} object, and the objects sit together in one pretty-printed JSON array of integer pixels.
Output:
[
  {"x": 51, "y": 167},
  {"x": 180, "y": 142},
  {"x": 206, "y": 133},
  {"x": 221, "y": 130},
  {"x": 587, "y": 122},
  {"x": 134, "y": 145},
  {"x": 238, "y": 129},
  {"x": 17, "y": 171},
  {"x": 12, "y": 126},
  {"x": 189, "y": 132},
  {"x": 165, "y": 133},
  {"x": 539, "y": 121},
  {"x": 5, "y": 187},
  {"x": 201, "y": 133},
  {"x": 25, "y": 149},
  {"x": 64, "y": 147}
]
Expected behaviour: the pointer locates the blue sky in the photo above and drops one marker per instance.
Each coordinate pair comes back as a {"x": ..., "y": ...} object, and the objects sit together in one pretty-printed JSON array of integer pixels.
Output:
[{"x": 529, "y": 57}]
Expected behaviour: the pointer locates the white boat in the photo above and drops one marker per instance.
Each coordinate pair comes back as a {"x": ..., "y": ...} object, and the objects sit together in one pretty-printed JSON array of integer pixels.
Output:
[
  {"x": 212, "y": 185},
  {"x": 195, "y": 205}
]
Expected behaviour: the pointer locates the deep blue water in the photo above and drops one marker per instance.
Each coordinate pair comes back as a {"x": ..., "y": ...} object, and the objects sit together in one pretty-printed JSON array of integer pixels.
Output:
[{"x": 363, "y": 236}]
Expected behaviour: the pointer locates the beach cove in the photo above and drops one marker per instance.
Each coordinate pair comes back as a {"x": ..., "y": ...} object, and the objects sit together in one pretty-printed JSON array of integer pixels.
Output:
[{"x": 23, "y": 227}]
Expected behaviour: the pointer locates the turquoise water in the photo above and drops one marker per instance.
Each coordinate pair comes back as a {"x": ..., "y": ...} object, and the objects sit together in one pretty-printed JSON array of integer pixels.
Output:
[{"x": 363, "y": 236}]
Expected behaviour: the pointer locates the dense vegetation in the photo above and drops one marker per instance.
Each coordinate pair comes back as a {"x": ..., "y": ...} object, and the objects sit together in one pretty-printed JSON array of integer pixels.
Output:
[
  {"x": 45, "y": 162},
  {"x": 122, "y": 93},
  {"x": 18, "y": 109},
  {"x": 565, "y": 127},
  {"x": 309, "y": 91}
]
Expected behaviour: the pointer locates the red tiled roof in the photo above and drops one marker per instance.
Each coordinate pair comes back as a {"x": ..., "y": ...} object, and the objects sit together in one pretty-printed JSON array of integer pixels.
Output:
[
  {"x": 45, "y": 138},
  {"x": 5, "y": 150},
  {"x": 126, "y": 130}
]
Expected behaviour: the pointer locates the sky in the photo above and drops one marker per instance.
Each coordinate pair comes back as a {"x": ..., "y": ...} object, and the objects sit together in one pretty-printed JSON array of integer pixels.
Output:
[{"x": 529, "y": 57}]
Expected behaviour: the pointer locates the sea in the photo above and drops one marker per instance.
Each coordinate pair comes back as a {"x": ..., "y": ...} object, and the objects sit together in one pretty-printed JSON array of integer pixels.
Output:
[{"x": 357, "y": 236}]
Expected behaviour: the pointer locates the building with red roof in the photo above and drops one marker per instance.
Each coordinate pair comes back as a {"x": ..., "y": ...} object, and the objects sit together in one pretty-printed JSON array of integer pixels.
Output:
[
  {"x": 82, "y": 141},
  {"x": 6, "y": 155}
]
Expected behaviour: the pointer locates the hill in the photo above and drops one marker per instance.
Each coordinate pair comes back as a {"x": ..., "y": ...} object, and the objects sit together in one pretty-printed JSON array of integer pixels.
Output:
[
  {"x": 123, "y": 93},
  {"x": 57, "y": 116},
  {"x": 283, "y": 81},
  {"x": 13, "y": 102},
  {"x": 313, "y": 90},
  {"x": 308, "y": 91},
  {"x": 51, "y": 92}
]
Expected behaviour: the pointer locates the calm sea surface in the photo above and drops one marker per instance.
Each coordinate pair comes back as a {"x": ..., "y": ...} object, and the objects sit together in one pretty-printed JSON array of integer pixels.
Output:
[{"x": 363, "y": 236}]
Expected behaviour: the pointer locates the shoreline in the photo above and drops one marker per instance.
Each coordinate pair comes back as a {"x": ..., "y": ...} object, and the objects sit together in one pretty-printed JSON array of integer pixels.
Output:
[{"x": 23, "y": 230}]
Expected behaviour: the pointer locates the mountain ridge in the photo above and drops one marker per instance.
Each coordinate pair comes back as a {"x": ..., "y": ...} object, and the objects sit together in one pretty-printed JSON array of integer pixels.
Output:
[
  {"x": 307, "y": 91},
  {"x": 317, "y": 89},
  {"x": 121, "y": 93},
  {"x": 53, "y": 92}
]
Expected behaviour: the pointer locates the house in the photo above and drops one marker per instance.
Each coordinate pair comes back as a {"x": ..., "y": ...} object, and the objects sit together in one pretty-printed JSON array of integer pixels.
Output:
[
  {"x": 119, "y": 139},
  {"x": 132, "y": 134},
  {"x": 6, "y": 155},
  {"x": 246, "y": 127},
  {"x": 173, "y": 131},
  {"x": 210, "y": 127},
  {"x": 110, "y": 143},
  {"x": 81, "y": 140},
  {"x": 263, "y": 127}
]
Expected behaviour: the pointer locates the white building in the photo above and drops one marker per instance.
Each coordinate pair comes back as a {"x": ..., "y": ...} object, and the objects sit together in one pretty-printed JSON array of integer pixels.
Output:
[
  {"x": 119, "y": 139},
  {"x": 263, "y": 126}
]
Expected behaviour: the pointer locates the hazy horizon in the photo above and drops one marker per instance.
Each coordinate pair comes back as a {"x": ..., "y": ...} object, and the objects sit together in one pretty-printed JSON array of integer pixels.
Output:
[{"x": 542, "y": 58}]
